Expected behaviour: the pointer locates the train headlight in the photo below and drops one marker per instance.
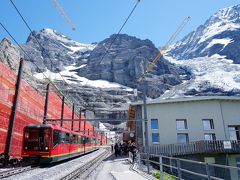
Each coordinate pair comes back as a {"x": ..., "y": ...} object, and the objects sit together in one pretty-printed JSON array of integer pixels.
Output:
[
  {"x": 46, "y": 148},
  {"x": 26, "y": 135},
  {"x": 26, "y": 147}
]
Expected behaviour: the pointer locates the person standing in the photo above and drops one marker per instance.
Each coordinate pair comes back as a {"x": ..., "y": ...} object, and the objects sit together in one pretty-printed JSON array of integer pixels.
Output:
[
  {"x": 112, "y": 148},
  {"x": 116, "y": 149}
]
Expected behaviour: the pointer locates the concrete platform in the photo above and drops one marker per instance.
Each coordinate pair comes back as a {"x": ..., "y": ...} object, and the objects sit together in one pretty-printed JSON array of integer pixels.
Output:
[{"x": 118, "y": 168}]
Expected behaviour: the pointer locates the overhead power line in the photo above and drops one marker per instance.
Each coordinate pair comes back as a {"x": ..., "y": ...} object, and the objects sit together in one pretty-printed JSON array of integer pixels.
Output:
[
  {"x": 25, "y": 22},
  {"x": 107, "y": 49}
]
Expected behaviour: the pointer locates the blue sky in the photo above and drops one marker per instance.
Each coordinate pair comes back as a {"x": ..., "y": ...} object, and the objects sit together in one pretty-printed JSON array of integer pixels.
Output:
[{"x": 96, "y": 20}]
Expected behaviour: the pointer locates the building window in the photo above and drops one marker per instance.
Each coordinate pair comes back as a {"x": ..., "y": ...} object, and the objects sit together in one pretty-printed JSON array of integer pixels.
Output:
[
  {"x": 154, "y": 123},
  {"x": 207, "y": 124},
  {"x": 182, "y": 138},
  {"x": 155, "y": 137},
  {"x": 209, "y": 137},
  {"x": 234, "y": 132},
  {"x": 181, "y": 124}
]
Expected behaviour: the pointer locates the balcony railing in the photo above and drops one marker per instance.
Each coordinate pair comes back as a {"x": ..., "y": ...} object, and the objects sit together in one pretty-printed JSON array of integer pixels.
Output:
[{"x": 195, "y": 147}]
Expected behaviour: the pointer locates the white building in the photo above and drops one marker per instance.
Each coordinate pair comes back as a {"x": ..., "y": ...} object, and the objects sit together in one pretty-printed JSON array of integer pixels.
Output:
[{"x": 194, "y": 121}]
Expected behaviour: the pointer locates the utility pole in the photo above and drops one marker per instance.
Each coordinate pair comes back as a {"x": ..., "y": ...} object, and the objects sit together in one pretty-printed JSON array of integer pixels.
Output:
[
  {"x": 146, "y": 122},
  {"x": 46, "y": 104},
  {"x": 62, "y": 111},
  {"x": 13, "y": 114},
  {"x": 73, "y": 109},
  {"x": 80, "y": 118}
]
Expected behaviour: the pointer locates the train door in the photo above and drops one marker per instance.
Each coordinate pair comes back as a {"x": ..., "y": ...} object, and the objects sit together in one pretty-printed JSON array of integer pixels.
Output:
[{"x": 73, "y": 143}]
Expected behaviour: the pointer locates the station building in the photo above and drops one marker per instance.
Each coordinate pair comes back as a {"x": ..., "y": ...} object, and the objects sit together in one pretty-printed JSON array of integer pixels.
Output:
[{"x": 205, "y": 128}]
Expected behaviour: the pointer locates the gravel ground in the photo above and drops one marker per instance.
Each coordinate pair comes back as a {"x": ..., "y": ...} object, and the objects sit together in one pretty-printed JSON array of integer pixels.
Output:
[{"x": 56, "y": 171}]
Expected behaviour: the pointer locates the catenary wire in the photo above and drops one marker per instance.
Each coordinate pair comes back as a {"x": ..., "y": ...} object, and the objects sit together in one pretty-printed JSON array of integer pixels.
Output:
[{"x": 119, "y": 31}]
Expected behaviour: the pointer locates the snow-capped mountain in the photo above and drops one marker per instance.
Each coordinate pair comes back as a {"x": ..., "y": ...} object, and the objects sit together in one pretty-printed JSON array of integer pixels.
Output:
[
  {"x": 219, "y": 35},
  {"x": 53, "y": 51},
  {"x": 212, "y": 55},
  {"x": 79, "y": 63},
  {"x": 213, "y": 75}
]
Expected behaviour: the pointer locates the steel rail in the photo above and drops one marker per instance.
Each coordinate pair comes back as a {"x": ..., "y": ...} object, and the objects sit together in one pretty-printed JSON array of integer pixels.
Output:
[
  {"x": 8, "y": 173},
  {"x": 89, "y": 167}
]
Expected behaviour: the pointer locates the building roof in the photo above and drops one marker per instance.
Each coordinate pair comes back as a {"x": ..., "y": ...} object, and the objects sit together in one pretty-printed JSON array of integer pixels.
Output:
[{"x": 188, "y": 99}]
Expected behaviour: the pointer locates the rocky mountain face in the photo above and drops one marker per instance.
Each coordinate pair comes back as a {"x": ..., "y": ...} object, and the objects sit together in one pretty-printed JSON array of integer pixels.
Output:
[
  {"x": 53, "y": 51},
  {"x": 48, "y": 52},
  {"x": 125, "y": 62},
  {"x": 219, "y": 35},
  {"x": 10, "y": 55}
]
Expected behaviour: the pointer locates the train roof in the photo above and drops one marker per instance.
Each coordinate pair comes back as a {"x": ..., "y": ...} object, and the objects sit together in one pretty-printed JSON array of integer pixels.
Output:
[{"x": 57, "y": 127}]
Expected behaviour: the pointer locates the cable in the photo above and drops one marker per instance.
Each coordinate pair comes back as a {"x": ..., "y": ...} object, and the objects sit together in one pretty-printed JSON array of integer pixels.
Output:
[
  {"x": 106, "y": 52},
  {"x": 25, "y": 22},
  {"x": 119, "y": 30}
]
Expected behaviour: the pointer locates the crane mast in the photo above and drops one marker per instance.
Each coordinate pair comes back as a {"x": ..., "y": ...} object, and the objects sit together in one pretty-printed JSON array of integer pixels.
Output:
[
  {"x": 63, "y": 14},
  {"x": 166, "y": 46}
]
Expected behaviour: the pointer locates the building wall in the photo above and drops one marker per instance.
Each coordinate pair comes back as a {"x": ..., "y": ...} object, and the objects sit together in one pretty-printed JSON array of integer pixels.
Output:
[{"x": 223, "y": 113}]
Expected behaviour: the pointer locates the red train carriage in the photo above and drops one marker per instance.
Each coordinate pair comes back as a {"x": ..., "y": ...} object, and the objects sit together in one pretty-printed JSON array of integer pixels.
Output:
[{"x": 51, "y": 143}]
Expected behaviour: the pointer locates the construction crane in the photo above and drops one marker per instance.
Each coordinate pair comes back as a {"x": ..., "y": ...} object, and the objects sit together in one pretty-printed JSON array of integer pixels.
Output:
[
  {"x": 63, "y": 14},
  {"x": 164, "y": 48}
]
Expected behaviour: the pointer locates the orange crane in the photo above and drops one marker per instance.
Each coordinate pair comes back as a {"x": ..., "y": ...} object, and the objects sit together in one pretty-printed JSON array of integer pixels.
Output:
[
  {"x": 61, "y": 11},
  {"x": 164, "y": 48}
]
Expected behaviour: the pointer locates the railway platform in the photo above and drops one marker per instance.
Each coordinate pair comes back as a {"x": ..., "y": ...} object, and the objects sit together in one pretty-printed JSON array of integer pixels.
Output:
[{"x": 118, "y": 168}]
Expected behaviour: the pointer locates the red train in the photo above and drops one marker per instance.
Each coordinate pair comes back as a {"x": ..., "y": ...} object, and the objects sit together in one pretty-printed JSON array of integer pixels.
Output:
[{"x": 49, "y": 143}]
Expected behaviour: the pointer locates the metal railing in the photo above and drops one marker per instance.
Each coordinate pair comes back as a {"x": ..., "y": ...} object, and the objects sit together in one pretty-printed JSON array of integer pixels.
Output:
[
  {"x": 194, "y": 148},
  {"x": 189, "y": 169}
]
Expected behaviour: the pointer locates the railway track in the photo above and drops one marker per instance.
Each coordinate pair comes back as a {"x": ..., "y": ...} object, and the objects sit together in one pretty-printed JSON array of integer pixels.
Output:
[
  {"x": 83, "y": 171},
  {"x": 11, "y": 172}
]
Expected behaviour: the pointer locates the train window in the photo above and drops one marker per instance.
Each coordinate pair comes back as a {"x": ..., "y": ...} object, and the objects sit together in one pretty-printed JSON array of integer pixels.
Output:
[
  {"x": 62, "y": 137},
  {"x": 56, "y": 138},
  {"x": 79, "y": 141},
  {"x": 83, "y": 140},
  {"x": 31, "y": 139},
  {"x": 74, "y": 139},
  {"x": 87, "y": 140},
  {"x": 68, "y": 138}
]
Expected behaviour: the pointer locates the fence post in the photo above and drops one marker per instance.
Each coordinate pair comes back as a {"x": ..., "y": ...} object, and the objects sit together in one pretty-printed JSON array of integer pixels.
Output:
[
  {"x": 161, "y": 167},
  {"x": 208, "y": 172},
  {"x": 179, "y": 169}
]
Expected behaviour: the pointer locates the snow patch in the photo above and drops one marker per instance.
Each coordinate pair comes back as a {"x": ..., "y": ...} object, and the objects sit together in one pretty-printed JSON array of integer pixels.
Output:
[
  {"x": 71, "y": 77},
  {"x": 225, "y": 42},
  {"x": 216, "y": 70},
  {"x": 217, "y": 28},
  {"x": 80, "y": 47},
  {"x": 65, "y": 40}
]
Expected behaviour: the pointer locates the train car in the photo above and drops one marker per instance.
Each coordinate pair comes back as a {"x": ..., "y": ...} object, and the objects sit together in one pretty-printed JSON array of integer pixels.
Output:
[{"x": 49, "y": 143}]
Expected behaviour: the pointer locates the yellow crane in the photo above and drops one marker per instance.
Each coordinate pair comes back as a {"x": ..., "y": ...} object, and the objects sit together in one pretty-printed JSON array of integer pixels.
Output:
[
  {"x": 63, "y": 14},
  {"x": 165, "y": 47}
]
